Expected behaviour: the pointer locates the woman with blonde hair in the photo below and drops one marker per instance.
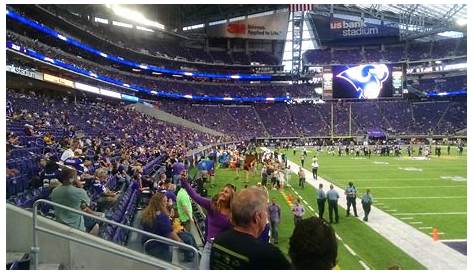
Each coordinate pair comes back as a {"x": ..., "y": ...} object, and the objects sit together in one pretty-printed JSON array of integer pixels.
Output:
[{"x": 218, "y": 214}]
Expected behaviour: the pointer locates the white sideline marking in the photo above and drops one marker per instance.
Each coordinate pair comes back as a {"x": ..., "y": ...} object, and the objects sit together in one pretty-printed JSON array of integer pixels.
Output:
[
  {"x": 454, "y": 240},
  {"x": 425, "y": 227},
  {"x": 339, "y": 238},
  {"x": 441, "y": 233},
  {"x": 421, "y": 198},
  {"x": 364, "y": 265},
  {"x": 414, "y": 223},
  {"x": 432, "y": 213},
  {"x": 350, "y": 250},
  {"x": 310, "y": 208},
  {"x": 405, "y": 218},
  {"x": 391, "y": 210},
  {"x": 304, "y": 201}
]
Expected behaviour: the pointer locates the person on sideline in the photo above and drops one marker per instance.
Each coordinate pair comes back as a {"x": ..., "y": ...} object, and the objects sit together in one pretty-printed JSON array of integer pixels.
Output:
[
  {"x": 298, "y": 211},
  {"x": 351, "y": 196},
  {"x": 274, "y": 212},
  {"x": 315, "y": 166},
  {"x": 321, "y": 200},
  {"x": 332, "y": 197},
  {"x": 366, "y": 204},
  {"x": 301, "y": 177}
]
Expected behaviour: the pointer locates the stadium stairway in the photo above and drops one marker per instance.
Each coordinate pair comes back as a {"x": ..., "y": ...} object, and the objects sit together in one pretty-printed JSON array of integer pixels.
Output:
[
  {"x": 434, "y": 255},
  {"x": 170, "y": 118},
  {"x": 62, "y": 253}
]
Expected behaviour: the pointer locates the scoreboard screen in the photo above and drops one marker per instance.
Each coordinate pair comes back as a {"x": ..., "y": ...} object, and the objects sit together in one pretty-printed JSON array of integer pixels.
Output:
[{"x": 368, "y": 81}]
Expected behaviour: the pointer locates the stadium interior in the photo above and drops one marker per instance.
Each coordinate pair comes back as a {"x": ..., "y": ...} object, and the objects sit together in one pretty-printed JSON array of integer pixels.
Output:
[{"x": 131, "y": 97}]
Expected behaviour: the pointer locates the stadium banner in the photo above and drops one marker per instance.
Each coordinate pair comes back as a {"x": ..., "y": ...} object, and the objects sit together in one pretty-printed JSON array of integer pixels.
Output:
[
  {"x": 342, "y": 28},
  {"x": 337, "y": 28},
  {"x": 57, "y": 80},
  {"x": 269, "y": 27},
  {"x": 25, "y": 72}
]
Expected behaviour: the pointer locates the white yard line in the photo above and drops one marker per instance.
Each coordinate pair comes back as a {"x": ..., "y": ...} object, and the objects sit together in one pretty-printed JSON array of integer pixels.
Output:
[
  {"x": 430, "y": 213},
  {"x": 415, "y": 223},
  {"x": 454, "y": 240},
  {"x": 364, "y": 265},
  {"x": 350, "y": 250},
  {"x": 426, "y": 227},
  {"x": 408, "y": 187},
  {"x": 421, "y": 198},
  {"x": 407, "y": 218}
]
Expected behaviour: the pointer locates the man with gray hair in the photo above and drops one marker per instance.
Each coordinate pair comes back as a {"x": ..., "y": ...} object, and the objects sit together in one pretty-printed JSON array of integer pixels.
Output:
[{"x": 239, "y": 248}]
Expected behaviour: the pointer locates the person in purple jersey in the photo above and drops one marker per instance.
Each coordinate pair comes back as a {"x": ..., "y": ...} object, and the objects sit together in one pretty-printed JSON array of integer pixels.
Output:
[
  {"x": 177, "y": 168},
  {"x": 218, "y": 214}
]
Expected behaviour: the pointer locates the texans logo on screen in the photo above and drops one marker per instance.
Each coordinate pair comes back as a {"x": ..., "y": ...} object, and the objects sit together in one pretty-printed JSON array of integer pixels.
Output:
[{"x": 366, "y": 79}]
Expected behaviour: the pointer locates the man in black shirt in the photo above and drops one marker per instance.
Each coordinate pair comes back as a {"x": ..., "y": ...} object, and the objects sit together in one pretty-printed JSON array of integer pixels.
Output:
[{"x": 239, "y": 248}]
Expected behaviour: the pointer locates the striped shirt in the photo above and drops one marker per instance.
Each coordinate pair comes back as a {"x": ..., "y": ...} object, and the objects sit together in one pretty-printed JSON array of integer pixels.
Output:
[{"x": 298, "y": 210}]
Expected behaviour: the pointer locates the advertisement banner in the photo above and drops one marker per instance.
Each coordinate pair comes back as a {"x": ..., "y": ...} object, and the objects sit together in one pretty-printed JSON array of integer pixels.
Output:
[
  {"x": 57, "y": 80},
  {"x": 343, "y": 28},
  {"x": 25, "y": 72},
  {"x": 271, "y": 27}
]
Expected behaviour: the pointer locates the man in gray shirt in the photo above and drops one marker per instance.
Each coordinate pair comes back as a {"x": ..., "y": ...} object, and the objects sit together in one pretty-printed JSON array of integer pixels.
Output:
[
  {"x": 366, "y": 204},
  {"x": 321, "y": 200},
  {"x": 332, "y": 196},
  {"x": 274, "y": 214},
  {"x": 70, "y": 196}
]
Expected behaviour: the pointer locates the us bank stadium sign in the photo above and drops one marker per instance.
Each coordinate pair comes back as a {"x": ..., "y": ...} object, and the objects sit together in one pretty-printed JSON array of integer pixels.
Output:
[
  {"x": 343, "y": 28},
  {"x": 25, "y": 72}
]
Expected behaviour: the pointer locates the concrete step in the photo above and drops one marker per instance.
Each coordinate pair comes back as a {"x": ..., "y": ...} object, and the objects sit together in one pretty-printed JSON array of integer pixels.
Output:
[{"x": 50, "y": 267}]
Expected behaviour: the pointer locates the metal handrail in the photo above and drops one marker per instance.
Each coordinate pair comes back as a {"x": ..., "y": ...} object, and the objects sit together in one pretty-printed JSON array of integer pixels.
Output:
[
  {"x": 195, "y": 258},
  {"x": 35, "y": 248}
]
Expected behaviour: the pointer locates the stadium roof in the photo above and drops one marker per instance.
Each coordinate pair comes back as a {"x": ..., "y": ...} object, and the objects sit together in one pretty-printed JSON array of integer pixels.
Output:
[{"x": 446, "y": 13}]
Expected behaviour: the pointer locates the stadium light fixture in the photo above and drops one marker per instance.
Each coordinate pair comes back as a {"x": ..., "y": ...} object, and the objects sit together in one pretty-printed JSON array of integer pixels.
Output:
[
  {"x": 101, "y": 20},
  {"x": 134, "y": 16},
  {"x": 461, "y": 22},
  {"x": 121, "y": 24},
  {"x": 144, "y": 29}
]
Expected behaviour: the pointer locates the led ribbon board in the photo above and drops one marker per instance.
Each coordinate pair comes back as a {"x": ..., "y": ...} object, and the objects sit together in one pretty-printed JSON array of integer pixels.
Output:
[
  {"x": 25, "y": 21},
  {"x": 38, "y": 56}
]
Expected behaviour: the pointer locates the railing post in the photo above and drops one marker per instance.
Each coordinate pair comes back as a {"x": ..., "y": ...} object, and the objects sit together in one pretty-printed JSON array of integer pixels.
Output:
[
  {"x": 174, "y": 255},
  {"x": 35, "y": 248}
]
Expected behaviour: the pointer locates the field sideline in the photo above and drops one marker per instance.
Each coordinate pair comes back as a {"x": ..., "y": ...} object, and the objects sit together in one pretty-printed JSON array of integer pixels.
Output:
[{"x": 423, "y": 193}]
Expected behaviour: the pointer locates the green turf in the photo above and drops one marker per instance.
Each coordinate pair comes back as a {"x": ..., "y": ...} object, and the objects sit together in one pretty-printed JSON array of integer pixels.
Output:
[
  {"x": 370, "y": 247},
  {"x": 386, "y": 178}
]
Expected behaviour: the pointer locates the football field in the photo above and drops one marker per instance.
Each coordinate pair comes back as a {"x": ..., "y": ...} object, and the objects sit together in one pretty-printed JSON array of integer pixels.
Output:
[{"x": 423, "y": 193}]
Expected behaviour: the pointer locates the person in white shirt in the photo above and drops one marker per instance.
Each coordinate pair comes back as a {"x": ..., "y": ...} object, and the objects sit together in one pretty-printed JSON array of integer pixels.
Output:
[
  {"x": 68, "y": 153},
  {"x": 315, "y": 166},
  {"x": 301, "y": 176}
]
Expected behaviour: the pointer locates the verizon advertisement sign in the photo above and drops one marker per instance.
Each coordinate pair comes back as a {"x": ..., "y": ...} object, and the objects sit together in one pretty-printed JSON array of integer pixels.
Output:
[{"x": 272, "y": 27}]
